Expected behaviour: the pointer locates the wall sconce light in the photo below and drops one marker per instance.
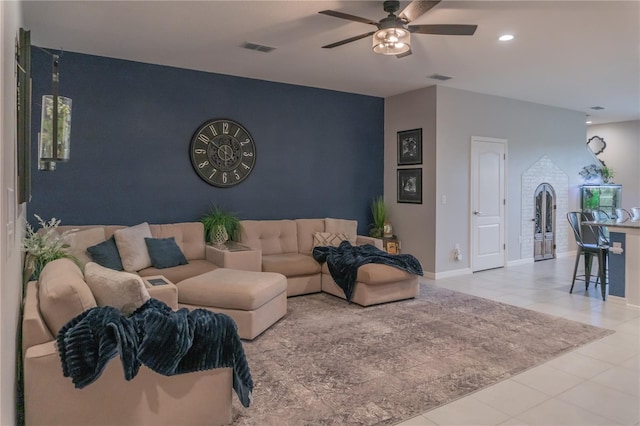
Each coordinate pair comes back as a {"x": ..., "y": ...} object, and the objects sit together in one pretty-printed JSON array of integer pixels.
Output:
[{"x": 54, "y": 143}]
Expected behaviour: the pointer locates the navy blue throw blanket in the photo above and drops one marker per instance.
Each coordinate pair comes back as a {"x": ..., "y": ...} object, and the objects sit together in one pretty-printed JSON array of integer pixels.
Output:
[
  {"x": 343, "y": 262},
  {"x": 167, "y": 342}
]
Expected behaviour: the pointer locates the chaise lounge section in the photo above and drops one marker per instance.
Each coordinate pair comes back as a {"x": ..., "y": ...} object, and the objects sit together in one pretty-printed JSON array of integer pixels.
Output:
[{"x": 287, "y": 245}]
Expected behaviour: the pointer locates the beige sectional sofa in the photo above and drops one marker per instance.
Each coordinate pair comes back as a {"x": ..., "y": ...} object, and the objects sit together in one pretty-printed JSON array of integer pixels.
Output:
[{"x": 287, "y": 246}]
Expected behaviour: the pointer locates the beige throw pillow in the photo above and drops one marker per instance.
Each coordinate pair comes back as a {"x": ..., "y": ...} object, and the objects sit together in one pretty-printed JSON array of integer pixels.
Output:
[
  {"x": 122, "y": 290},
  {"x": 132, "y": 248},
  {"x": 79, "y": 242},
  {"x": 342, "y": 226},
  {"x": 328, "y": 239}
]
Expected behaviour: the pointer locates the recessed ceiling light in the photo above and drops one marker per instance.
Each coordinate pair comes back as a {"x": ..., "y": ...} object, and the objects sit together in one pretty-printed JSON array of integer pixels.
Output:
[
  {"x": 589, "y": 121},
  {"x": 505, "y": 37}
]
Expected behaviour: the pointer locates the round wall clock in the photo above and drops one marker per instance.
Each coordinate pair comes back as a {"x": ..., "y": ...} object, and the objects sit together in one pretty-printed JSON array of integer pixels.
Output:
[{"x": 222, "y": 152}]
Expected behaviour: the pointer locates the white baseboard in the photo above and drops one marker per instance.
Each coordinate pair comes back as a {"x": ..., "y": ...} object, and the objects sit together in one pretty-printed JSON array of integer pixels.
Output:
[
  {"x": 566, "y": 254},
  {"x": 530, "y": 259},
  {"x": 467, "y": 271},
  {"x": 520, "y": 262},
  {"x": 449, "y": 274},
  {"x": 621, "y": 301}
]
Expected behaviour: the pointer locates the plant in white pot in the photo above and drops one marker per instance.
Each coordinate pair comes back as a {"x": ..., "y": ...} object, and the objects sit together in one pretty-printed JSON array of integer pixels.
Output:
[{"x": 220, "y": 225}]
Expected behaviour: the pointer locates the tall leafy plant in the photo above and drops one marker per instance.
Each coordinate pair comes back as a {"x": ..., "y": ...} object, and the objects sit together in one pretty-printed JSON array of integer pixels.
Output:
[{"x": 379, "y": 214}]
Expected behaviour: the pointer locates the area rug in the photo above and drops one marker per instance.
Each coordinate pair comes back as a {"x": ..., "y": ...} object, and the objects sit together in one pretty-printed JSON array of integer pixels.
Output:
[{"x": 328, "y": 362}]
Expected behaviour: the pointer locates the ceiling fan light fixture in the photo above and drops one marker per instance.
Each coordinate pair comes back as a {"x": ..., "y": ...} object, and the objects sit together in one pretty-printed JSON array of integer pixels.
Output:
[{"x": 391, "y": 41}]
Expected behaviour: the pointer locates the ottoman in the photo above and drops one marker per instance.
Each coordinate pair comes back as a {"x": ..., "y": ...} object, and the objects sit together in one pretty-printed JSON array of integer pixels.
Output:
[{"x": 255, "y": 300}]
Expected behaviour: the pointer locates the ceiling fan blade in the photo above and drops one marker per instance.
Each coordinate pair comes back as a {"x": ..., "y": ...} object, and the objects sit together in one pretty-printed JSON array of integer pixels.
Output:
[
  {"x": 349, "y": 17},
  {"x": 417, "y": 8},
  {"x": 444, "y": 29},
  {"x": 348, "y": 40},
  {"x": 405, "y": 54}
]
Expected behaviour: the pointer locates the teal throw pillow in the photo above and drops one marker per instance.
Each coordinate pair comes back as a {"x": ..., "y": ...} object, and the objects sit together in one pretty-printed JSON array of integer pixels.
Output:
[
  {"x": 106, "y": 254},
  {"x": 164, "y": 252}
]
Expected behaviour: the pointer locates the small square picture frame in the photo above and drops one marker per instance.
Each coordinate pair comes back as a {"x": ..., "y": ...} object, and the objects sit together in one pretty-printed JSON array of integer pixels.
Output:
[
  {"x": 410, "y": 147},
  {"x": 410, "y": 186}
]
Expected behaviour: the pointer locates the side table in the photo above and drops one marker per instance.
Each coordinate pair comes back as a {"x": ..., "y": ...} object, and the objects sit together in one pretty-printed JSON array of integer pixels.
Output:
[
  {"x": 167, "y": 292},
  {"x": 391, "y": 244},
  {"x": 234, "y": 255}
]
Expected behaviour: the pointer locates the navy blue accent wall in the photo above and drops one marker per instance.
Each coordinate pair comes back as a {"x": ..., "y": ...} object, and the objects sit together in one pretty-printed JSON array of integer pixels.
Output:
[{"x": 319, "y": 152}]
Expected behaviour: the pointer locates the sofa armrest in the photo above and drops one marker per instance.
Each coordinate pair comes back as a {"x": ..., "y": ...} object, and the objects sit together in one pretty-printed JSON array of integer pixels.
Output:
[
  {"x": 362, "y": 239},
  {"x": 245, "y": 260},
  {"x": 34, "y": 330},
  {"x": 198, "y": 398}
]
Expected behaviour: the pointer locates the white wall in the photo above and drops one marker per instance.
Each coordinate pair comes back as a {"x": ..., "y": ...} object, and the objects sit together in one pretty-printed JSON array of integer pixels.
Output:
[
  {"x": 10, "y": 256},
  {"x": 532, "y": 130},
  {"x": 622, "y": 154},
  {"x": 414, "y": 224}
]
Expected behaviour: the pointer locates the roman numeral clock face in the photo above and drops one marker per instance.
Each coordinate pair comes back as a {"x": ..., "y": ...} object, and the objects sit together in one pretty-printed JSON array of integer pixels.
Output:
[{"x": 222, "y": 152}]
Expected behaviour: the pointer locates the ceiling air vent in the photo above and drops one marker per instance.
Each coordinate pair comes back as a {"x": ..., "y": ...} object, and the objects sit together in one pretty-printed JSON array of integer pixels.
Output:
[
  {"x": 597, "y": 108},
  {"x": 440, "y": 77},
  {"x": 258, "y": 47}
]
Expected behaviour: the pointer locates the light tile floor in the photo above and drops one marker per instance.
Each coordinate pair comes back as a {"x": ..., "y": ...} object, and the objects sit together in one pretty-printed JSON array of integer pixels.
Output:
[{"x": 596, "y": 384}]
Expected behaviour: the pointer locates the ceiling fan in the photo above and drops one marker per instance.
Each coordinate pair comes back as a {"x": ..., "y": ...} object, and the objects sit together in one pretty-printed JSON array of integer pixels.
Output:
[{"x": 393, "y": 36}]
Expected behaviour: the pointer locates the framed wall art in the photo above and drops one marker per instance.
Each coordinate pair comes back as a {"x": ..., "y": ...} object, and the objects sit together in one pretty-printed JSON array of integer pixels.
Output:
[
  {"x": 410, "y": 147},
  {"x": 410, "y": 186}
]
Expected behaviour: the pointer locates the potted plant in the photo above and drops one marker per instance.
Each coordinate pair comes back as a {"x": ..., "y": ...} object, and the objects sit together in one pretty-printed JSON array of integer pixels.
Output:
[
  {"x": 607, "y": 174},
  {"x": 379, "y": 213},
  {"x": 220, "y": 225},
  {"x": 44, "y": 245}
]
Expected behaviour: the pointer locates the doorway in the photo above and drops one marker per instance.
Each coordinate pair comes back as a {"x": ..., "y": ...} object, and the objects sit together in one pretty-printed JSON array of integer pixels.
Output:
[
  {"x": 488, "y": 203},
  {"x": 544, "y": 235}
]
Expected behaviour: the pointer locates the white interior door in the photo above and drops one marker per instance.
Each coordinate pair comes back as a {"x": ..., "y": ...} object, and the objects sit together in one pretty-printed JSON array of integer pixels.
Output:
[{"x": 488, "y": 158}]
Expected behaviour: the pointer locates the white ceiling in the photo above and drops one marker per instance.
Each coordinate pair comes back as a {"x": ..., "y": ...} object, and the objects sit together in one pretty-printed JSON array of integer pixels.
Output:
[{"x": 569, "y": 54}]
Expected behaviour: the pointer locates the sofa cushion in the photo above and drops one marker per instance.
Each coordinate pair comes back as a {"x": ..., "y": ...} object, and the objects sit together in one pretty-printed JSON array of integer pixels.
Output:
[
  {"x": 376, "y": 273},
  {"x": 270, "y": 236},
  {"x": 79, "y": 242},
  {"x": 182, "y": 272},
  {"x": 328, "y": 239},
  {"x": 306, "y": 229},
  {"x": 164, "y": 252},
  {"x": 132, "y": 248},
  {"x": 62, "y": 293},
  {"x": 106, "y": 254},
  {"x": 342, "y": 226},
  {"x": 290, "y": 264},
  {"x": 188, "y": 235},
  {"x": 122, "y": 290}
]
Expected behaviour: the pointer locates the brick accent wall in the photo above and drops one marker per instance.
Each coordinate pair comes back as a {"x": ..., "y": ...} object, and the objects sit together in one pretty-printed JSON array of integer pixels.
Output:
[{"x": 544, "y": 171}]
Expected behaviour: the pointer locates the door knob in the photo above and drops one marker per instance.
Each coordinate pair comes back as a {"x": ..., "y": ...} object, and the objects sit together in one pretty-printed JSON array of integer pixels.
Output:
[{"x": 476, "y": 212}]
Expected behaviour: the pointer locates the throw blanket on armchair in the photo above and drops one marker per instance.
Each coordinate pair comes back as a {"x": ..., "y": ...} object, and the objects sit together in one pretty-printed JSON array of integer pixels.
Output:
[
  {"x": 167, "y": 342},
  {"x": 343, "y": 262}
]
